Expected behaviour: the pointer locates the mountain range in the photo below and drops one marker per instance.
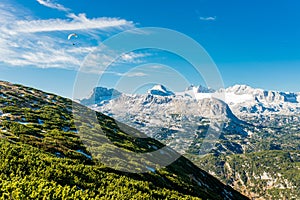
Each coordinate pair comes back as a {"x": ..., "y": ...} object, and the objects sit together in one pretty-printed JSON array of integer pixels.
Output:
[
  {"x": 228, "y": 132},
  {"x": 243, "y": 100},
  {"x": 48, "y": 151}
]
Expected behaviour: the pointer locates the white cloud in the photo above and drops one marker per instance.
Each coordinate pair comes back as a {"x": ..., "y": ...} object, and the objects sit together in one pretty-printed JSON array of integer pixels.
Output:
[
  {"x": 155, "y": 66},
  {"x": 52, "y": 4},
  {"x": 102, "y": 58},
  {"x": 127, "y": 74},
  {"x": 135, "y": 74},
  {"x": 44, "y": 55},
  {"x": 25, "y": 41},
  {"x": 74, "y": 22},
  {"x": 133, "y": 57},
  {"x": 208, "y": 18}
]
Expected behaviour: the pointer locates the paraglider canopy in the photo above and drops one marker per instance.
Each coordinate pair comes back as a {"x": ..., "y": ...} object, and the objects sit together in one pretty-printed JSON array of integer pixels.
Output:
[{"x": 72, "y": 35}]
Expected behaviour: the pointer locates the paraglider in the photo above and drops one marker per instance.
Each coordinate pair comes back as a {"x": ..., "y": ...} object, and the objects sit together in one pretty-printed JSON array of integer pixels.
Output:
[{"x": 72, "y": 35}]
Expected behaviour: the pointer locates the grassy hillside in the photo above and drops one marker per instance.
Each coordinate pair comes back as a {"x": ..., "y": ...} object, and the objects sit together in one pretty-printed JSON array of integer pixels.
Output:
[{"x": 44, "y": 155}]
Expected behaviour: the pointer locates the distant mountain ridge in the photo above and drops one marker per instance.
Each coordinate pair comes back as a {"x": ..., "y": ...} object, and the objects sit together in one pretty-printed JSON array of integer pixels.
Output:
[
  {"x": 244, "y": 101},
  {"x": 251, "y": 124},
  {"x": 172, "y": 116}
]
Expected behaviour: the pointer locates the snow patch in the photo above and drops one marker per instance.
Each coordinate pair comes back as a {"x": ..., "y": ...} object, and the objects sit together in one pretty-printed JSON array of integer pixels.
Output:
[
  {"x": 265, "y": 176},
  {"x": 23, "y": 123},
  {"x": 41, "y": 122},
  {"x": 150, "y": 169},
  {"x": 86, "y": 155}
]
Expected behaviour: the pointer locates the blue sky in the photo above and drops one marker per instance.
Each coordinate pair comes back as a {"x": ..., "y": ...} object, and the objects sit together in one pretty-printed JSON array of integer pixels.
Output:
[{"x": 251, "y": 42}]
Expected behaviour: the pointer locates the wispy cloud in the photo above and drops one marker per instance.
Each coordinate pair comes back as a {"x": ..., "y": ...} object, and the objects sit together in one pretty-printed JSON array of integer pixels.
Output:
[
  {"x": 135, "y": 74},
  {"x": 133, "y": 57},
  {"x": 52, "y": 4},
  {"x": 25, "y": 40},
  {"x": 103, "y": 58},
  {"x": 73, "y": 22},
  {"x": 127, "y": 74},
  {"x": 155, "y": 66},
  {"x": 214, "y": 18}
]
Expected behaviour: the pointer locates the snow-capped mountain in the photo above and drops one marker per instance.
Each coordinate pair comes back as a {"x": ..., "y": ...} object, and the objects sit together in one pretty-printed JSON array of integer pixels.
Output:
[
  {"x": 200, "y": 89},
  {"x": 263, "y": 107},
  {"x": 244, "y": 101},
  {"x": 168, "y": 115},
  {"x": 100, "y": 94},
  {"x": 238, "y": 120},
  {"x": 176, "y": 118},
  {"x": 248, "y": 103},
  {"x": 158, "y": 101},
  {"x": 160, "y": 90}
]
